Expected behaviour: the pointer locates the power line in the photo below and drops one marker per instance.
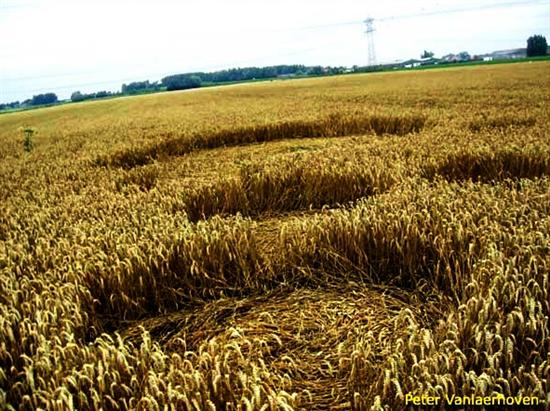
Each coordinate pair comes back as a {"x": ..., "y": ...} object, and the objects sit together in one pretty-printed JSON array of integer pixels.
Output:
[
  {"x": 73, "y": 74},
  {"x": 370, "y": 30},
  {"x": 156, "y": 75},
  {"x": 425, "y": 14},
  {"x": 465, "y": 9},
  {"x": 10, "y": 7}
]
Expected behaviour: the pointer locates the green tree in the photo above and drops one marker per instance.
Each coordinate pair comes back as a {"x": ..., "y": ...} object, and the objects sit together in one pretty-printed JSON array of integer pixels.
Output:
[
  {"x": 77, "y": 96},
  {"x": 427, "y": 54},
  {"x": 536, "y": 46},
  {"x": 181, "y": 82},
  {"x": 48, "y": 98}
]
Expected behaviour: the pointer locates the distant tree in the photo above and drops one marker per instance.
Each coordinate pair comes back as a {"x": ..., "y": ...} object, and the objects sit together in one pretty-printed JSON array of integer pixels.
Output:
[
  {"x": 13, "y": 104},
  {"x": 266, "y": 72},
  {"x": 139, "y": 86},
  {"x": 464, "y": 56},
  {"x": 316, "y": 71},
  {"x": 48, "y": 98},
  {"x": 77, "y": 96},
  {"x": 536, "y": 46},
  {"x": 181, "y": 82},
  {"x": 427, "y": 54}
]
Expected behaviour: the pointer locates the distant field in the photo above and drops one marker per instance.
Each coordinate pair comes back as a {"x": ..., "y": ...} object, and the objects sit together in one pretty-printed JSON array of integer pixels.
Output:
[{"x": 349, "y": 242}]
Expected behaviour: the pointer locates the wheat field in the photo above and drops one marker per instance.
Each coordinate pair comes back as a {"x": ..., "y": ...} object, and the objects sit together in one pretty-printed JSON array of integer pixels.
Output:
[{"x": 338, "y": 243}]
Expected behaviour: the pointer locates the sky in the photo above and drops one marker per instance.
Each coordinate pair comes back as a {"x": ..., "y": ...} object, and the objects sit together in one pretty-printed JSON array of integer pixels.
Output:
[{"x": 63, "y": 46}]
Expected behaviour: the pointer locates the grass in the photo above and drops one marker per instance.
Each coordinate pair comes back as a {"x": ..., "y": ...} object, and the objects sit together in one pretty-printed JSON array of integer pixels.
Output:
[{"x": 327, "y": 243}]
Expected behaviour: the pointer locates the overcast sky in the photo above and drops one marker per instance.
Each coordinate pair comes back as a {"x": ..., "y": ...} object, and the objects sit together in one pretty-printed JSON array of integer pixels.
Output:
[{"x": 63, "y": 46}]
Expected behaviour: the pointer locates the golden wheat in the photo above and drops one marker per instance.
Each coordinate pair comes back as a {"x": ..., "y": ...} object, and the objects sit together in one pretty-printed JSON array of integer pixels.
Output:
[{"x": 222, "y": 249}]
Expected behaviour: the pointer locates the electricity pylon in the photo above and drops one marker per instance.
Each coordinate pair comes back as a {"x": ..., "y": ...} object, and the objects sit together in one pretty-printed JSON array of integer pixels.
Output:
[{"x": 370, "y": 39}]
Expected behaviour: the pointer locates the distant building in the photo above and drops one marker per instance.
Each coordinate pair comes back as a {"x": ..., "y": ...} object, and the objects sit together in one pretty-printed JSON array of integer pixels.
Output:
[
  {"x": 456, "y": 58},
  {"x": 510, "y": 54},
  {"x": 450, "y": 58},
  {"x": 505, "y": 54},
  {"x": 428, "y": 61},
  {"x": 411, "y": 63}
]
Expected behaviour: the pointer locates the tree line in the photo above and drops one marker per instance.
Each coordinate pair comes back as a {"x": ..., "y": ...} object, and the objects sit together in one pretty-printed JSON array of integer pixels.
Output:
[
  {"x": 38, "y": 100},
  {"x": 536, "y": 46},
  {"x": 185, "y": 81},
  {"x": 199, "y": 79}
]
